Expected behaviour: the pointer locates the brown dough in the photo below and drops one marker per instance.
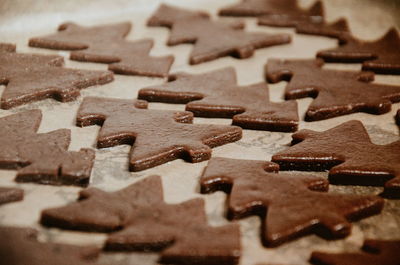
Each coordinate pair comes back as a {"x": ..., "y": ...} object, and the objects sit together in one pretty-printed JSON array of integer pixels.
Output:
[
  {"x": 41, "y": 157},
  {"x": 381, "y": 56},
  {"x": 211, "y": 39},
  {"x": 33, "y": 77},
  {"x": 7, "y": 47},
  {"x": 374, "y": 252},
  {"x": 216, "y": 95},
  {"x": 19, "y": 246},
  {"x": 283, "y": 200},
  {"x": 347, "y": 151},
  {"x": 140, "y": 220},
  {"x": 10, "y": 195},
  {"x": 157, "y": 136},
  {"x": 279, "y": 8},
  {"x": 336, "y": 92},
  {"x": 107, "y": 44}
]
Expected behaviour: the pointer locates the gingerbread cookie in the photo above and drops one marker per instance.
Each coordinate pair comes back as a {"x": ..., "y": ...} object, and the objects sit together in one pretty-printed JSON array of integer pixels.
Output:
[
  {"x": 33, "y": 77},
  {"x": 41, "y": 157},
  {"x": 140, "y": 220},
  {"x": 19, "y": 246},
  {"x": 10, "y": 195},
  {"x": 336, "y": 92},
  {"x": 216, "y": 94},
  {"x": 107, "y": 44},
  {"x": 374, "y": 252},
  {"x": 157, "y": 136},
  {"x": 211, "y": 39},
  {"x": 283, "y": 200},
  {"x": 349, "y": 155},
  {"x": 381, "y": 56}
]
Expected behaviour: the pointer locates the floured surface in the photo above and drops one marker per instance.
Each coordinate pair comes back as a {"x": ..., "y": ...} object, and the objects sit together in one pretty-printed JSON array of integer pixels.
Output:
[{"x": 20, "y": 21}]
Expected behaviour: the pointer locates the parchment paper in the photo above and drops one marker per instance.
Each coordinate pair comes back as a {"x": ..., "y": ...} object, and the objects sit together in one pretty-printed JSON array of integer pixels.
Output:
[{"x": 22, "y": 19}]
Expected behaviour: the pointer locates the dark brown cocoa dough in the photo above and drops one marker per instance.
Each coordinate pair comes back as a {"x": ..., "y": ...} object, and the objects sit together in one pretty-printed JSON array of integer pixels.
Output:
[
  {"x": 286, "y": 13},
  {"x": 335, "y": 92},
  {"x": 338, "y": 29},
  {"x": 348, "y": 153},
  {"x": 156, "y": 136},
  {"x": 138, "y": 219},
  {"x": 211, "y": 39},
  {"x": 216, "y": 95},
  {"x": 381, "y": 56},
  {"x": 283, "y": 200},
  {"x": 19, "y": 246},
  {"x": 7, "y": 47},
  {"x": 373, "y": 252},
  {"x": 283, "y": 8},
  {"x": 398, "y": 117},
  {"x": 107, "y": 44},
  {"x": 41, "y": 157},
  {"x": 10, "y": 195},
  {"x": 33, "y": 77}
]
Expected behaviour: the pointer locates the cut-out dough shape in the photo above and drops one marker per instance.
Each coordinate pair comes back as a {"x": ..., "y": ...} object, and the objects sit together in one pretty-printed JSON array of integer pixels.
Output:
[
  {"x": 381, "y": 56},
  {"x": 283, "y": 200},
  {"x": 157, "y": 136},
  {"x": 42, "y": 157},
  {"x": 33, "y": 77},
  {"x": 374, "y": 252},
  {"x": 211, "y": 39},
  {"x": 280, "y": 8},
  {"x": 107, "y": 44},
  {"x": 10, "y": 195},
  {"x": 216, "y": 95},
  {"x": 19, "y": 246},
  {"x": 140, "y": 220},
  {"x": 348, "y": 153},
  {"x": 335, "y": 92}
]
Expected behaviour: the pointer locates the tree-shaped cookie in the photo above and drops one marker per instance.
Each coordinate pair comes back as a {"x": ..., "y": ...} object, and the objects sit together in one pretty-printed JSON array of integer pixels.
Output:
[
  {"x": 212, "y": 39},
  {"x": 32, "y": 77},
  {"x": 286, "y": 13},
  {"x": 336, "y": 92},
  {"x": 157, "y": 136},
  {"x": 374, "y": 252},
  {"x": 347, "y": 151},
  {"x": 140, "y": 220},
  {"x": 10, "y": 195},
  {"x": 381, "y": 56},
  {"x": 107, "y": 44},
  {"x": 279, "y": 8},
  {"x": 216, "y": 94},
  {"x": 41, "y": 157},
  {"x": 283, "y": 200},
  {"x": 20, "y": 246}
]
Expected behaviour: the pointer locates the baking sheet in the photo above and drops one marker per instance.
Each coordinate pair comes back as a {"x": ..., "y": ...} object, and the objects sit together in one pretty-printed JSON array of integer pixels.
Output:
[{"x": 22, "y": 19}]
